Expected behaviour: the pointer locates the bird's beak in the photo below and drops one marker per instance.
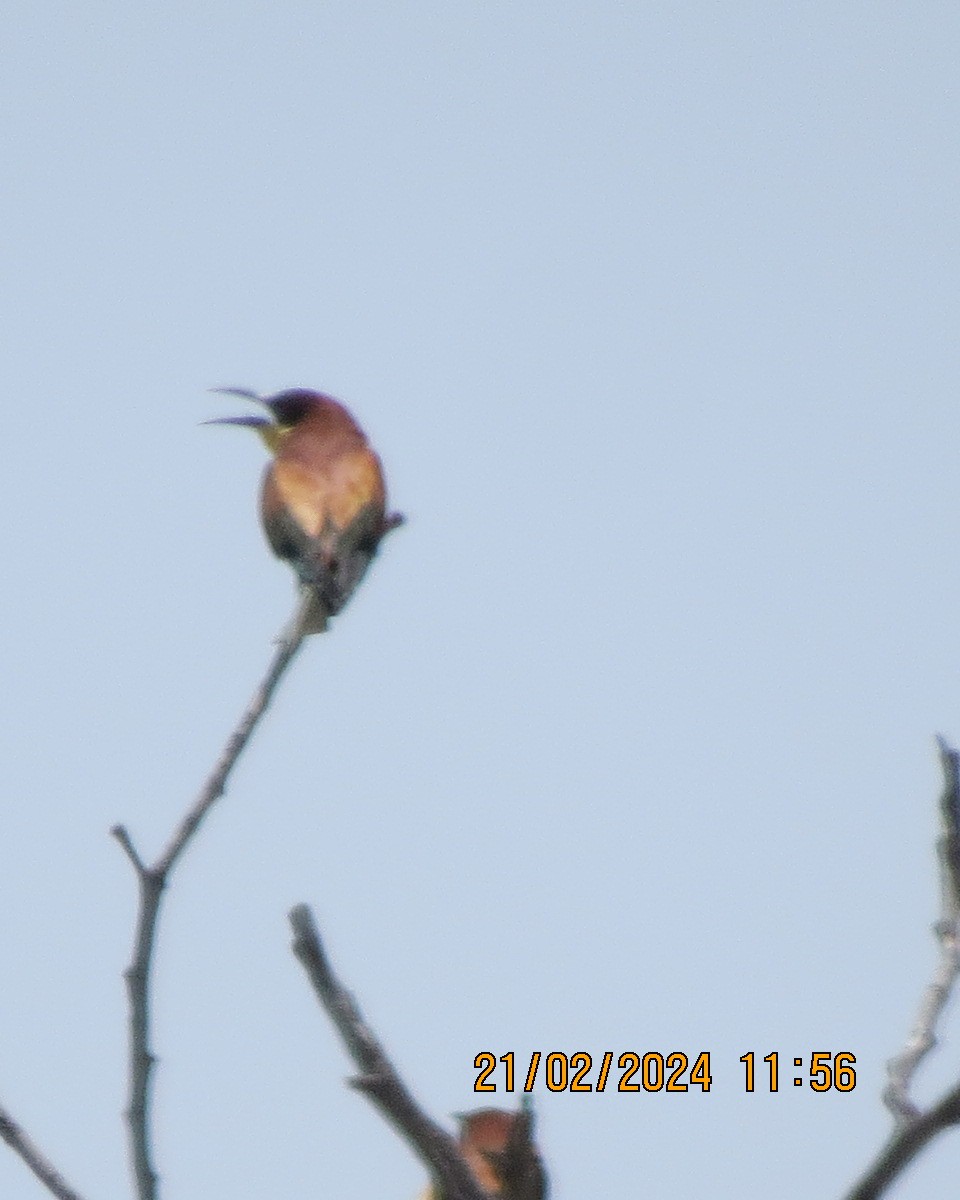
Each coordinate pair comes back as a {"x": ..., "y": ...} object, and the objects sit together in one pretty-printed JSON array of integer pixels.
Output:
[
  {"x": 270, "y": 432},
  {"x": 250, "y": 422},
  {"x": 244, "y": 392}
]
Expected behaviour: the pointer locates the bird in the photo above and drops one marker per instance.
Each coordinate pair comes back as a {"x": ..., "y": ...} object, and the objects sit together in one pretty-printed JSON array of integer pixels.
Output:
[
  {"x": 498, "y": 1147},
  {"x": 323, "y": 503}
]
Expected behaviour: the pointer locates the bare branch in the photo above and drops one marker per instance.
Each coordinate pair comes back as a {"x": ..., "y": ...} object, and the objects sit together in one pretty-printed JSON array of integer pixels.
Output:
[
  {"x": 152, "y": 880},
  {"x": 915, "y": 1128},
  {"x": 378, "y": 1078},
  {"x": 906, "y": 1143},
  {"x": 120, "y": 833},
  {"x": 902, "y": 1068},
  {"x": 18, "y": 1141},
  {"x": 288, "y": 644}
]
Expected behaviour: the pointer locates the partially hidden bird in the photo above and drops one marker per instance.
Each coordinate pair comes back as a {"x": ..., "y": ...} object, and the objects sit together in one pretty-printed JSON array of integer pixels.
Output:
[
  {"x": 498, "y": 1147},
  {"x": 323, "y": 502}
]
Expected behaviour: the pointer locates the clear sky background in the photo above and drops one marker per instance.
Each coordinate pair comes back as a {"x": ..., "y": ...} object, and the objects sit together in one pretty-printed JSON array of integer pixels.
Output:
[{"x": 652, "y": 311}]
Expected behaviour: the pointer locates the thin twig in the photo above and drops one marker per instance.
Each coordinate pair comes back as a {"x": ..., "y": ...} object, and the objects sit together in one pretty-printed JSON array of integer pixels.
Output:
[
  {"x": 18, "y": 1141},
  {"x": 914, "y": 1128},
  {"x": 152, "y": 880},
  {"x": 378, "y": 1078}
]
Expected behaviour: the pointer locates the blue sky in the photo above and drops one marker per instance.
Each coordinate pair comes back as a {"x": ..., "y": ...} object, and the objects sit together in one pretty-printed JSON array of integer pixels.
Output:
[{"x": 626, "y": 742}]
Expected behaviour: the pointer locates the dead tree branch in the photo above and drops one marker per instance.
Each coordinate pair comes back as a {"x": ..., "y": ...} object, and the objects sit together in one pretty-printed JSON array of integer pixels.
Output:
[
  {"x": 378, "y": 1078},
  {"x": 18, "y": 1141},
  {"x": 151, "y": 881},
  {"x": 914, "y": 1128}
]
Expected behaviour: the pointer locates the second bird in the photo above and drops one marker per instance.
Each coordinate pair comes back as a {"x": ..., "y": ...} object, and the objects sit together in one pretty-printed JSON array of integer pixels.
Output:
[{"x": 323, "y": 500}]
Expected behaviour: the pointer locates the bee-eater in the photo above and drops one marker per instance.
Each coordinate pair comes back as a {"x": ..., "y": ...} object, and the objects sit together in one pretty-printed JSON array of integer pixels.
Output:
[
  {"x": 323, "y": 498},
  {"x": 499, "y": 1149}
]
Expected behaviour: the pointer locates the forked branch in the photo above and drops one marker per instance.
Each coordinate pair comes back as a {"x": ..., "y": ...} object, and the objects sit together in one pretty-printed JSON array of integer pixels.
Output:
[{"x": 152, "y": 880}]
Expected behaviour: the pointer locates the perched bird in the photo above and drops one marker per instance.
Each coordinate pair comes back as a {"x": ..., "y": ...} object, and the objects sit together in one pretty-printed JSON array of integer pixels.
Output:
[
  {"x": 498, "y": 1147},
  {"x": 323, "y": 498}
]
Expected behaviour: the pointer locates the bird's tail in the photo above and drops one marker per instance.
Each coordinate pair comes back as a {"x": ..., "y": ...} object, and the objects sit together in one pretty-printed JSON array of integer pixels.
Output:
[{"x": 315, "y": 612}]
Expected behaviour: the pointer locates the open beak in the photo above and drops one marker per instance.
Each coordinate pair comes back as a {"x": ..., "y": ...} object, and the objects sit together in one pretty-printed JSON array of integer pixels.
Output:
[{"x": 249, "y": 422}]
